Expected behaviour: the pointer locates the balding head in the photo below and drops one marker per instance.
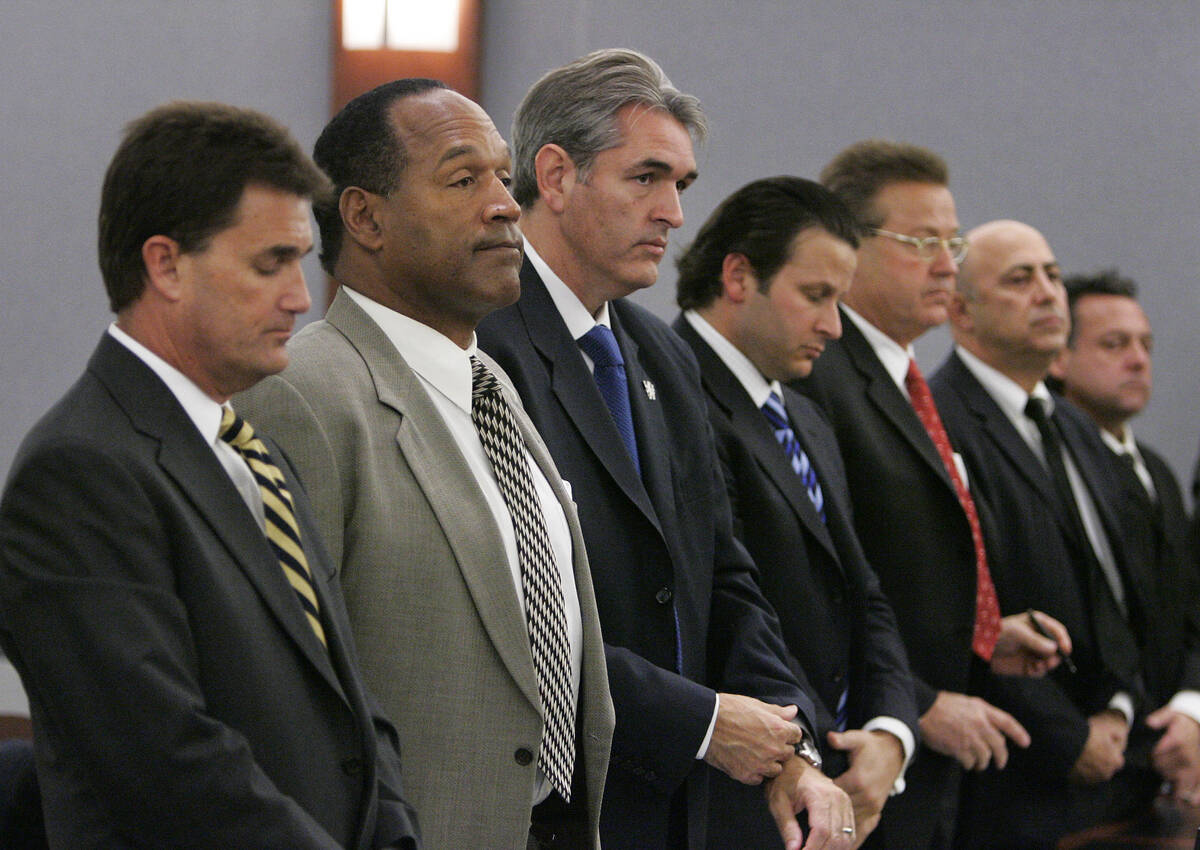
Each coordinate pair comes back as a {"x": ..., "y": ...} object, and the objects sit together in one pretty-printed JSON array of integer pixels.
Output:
[{"x": 1011, "y": 309}]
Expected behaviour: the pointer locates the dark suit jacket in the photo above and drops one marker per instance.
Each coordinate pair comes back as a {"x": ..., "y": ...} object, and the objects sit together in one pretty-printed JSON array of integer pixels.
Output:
[
  {"x": 917, "y": 539},
  {"x": 660, "y": 547},
  {"x": 179, "y": 698},
  {"x": 836, "y": 621},
  {"x": 1156, "y": 536},
  {"x": 1037, "y": 562}
]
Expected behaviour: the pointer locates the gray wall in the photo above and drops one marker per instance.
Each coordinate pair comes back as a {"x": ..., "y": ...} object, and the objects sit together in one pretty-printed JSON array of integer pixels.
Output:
[
  {"x": 1079, "y": 116},
  {"x": 74, "y": 73}
]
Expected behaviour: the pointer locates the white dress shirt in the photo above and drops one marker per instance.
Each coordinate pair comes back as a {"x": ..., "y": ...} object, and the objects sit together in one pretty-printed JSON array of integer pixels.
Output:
[{"x": 444, "y": 370}]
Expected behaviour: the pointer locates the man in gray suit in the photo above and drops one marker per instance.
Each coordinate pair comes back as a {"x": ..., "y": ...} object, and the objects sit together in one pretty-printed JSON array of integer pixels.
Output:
[{"x": 449, "y": 577}]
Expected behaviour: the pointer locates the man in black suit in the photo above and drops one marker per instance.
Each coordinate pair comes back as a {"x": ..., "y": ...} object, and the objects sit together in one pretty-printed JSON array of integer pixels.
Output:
[
  {"x": 915, "y": 516},
  {"x": 163, "y": 592},
  {"x": 1041, "y": 467},
  {"x": 602, "y": 150},
  {"x": 1106, "y": 370},
  {"x": 760, "y": 287}
]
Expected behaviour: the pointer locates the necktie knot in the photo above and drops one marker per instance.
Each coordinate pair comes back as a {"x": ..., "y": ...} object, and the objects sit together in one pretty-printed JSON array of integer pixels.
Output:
[
  {"x": 483, "y": 382},
  {"x": 234, "y": 429},
  {"x": 1035, "y": 409},
  {"x": 774, "y": 411},
  {"x": 600, "y": 344}
]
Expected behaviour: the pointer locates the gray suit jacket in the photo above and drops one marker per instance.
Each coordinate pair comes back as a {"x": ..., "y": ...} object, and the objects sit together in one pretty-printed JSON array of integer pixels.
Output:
[{"x": 431, "y": 597}]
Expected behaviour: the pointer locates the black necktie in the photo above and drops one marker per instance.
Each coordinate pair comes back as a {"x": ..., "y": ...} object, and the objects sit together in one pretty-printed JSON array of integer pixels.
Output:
[
  {"x": 541, "y": 584},
  {"x": 1117, "y": 643}
]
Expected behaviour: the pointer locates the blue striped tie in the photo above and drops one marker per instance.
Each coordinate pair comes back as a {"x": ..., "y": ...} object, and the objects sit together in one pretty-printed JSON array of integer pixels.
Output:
[{"x": 777, "y": 416}]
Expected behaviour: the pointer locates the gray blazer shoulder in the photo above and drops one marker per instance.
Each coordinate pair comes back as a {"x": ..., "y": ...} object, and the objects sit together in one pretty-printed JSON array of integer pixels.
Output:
[{"x": 431, "y": 598}]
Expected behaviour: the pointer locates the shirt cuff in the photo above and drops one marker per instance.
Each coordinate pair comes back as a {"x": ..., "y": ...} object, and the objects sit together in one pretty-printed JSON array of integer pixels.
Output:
[
  {"x": 907, "y": 743},
  {"x": 1123, "y": 703},
  {"x": 1186, "y": 702},
  {"x": 712, "y": 724}
]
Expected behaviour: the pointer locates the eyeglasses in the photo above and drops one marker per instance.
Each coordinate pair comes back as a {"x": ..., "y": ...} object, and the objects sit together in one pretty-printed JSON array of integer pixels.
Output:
[{"x": 927, "y": 248}]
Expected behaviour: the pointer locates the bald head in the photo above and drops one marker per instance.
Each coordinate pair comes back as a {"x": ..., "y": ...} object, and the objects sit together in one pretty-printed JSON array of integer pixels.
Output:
[
  {"x": 1011, "y": 309},
  {"x": 993, "y": 245}
]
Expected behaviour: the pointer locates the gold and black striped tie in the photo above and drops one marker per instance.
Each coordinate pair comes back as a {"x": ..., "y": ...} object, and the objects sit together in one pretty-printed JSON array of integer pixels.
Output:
[{"x": 282, "y": 531}]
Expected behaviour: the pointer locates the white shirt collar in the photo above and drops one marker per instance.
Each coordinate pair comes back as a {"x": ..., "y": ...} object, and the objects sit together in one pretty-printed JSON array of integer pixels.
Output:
[
  {"x": 756, "y": 386},
  {"x": 1006, "y": 392},
  {"x": 891, "y": 354},
  {"x": 579, "y": 321},
  {"x": 1122, "y": 446},
  {"x": 202, "y": 410},
  {"x": 432, "y": 355}
]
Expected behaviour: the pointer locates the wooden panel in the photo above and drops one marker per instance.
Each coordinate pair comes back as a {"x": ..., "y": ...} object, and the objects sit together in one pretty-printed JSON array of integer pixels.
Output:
[{"x": 357, "y": 71}]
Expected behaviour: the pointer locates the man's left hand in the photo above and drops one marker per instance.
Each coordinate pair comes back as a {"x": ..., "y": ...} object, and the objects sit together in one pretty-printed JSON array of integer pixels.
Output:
[
  {"x": 876, "y": 759},
  {"x": 801, "y": 787},
  {"x": 1177, "y": 754}
]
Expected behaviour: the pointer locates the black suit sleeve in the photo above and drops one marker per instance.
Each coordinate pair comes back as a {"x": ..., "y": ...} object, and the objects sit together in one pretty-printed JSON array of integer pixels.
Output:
[{"x": 89, "y": 606}]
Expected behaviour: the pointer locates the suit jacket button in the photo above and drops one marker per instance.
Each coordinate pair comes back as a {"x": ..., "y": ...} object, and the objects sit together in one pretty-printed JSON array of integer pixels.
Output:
[
  {"x": 523, "y": 756},
  {"x": 839, "y": 677},
  {"x": 663, "y": 596},
  {"x": 352, "y": 766}
]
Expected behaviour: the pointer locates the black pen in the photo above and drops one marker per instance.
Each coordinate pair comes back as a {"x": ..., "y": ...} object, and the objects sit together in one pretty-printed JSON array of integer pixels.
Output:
[{"x": 1041, "y": 630}]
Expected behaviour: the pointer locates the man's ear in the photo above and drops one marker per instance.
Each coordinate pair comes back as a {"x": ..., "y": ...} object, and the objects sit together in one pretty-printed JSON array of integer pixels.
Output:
[
  {"x": 737, "y": 278},
  {"x": 161, "y": 257},
  {"x": 556, "y": 176},
  {"x": 960, "y": 315},
  {"x": 360, "y": 217}
]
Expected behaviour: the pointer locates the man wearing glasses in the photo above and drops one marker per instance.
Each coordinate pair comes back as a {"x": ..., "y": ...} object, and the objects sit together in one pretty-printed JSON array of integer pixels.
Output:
[{"x": 922, "y": 530}]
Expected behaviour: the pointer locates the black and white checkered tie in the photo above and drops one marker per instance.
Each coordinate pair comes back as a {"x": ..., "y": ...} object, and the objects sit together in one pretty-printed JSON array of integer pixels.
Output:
[{"x": 545, "y": 615}]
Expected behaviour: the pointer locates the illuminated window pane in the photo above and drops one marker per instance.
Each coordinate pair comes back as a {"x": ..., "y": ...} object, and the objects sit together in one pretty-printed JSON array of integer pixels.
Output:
[
  {"x": 362, "y": 24},
  {"x": 423, "y": 25}
]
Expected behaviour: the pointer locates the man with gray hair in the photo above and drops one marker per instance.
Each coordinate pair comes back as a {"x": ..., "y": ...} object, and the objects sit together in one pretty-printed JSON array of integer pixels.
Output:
[{"x": 603, "y": 149}]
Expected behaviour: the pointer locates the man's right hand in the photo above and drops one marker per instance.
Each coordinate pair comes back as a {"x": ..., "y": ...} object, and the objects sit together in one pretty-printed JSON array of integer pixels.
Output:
[
  {"x": 752, "y": 739},
  {"x": 971, "y": 730},
  {"x": 1104, "y": 753}
]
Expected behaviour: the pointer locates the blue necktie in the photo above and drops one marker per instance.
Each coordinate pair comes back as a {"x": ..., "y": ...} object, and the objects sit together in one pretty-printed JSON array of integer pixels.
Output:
[
  {"x": 773, "y": 408},
  {"x": 609, "y": 373},
  {"x": 608, "y": 370},
  {"x": 777, "y": 416}
]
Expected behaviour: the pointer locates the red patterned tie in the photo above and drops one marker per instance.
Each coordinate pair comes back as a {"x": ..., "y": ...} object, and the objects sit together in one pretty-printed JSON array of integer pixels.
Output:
[{"x": 987, "y": 609}]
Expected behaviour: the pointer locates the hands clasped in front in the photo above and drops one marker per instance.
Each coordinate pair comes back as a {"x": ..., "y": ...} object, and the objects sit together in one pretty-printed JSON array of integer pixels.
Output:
[{"x": 754, "y": 741}]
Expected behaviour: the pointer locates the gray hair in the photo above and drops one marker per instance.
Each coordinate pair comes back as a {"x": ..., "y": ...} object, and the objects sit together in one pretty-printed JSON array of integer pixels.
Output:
[{"x": 575, "y": 107}]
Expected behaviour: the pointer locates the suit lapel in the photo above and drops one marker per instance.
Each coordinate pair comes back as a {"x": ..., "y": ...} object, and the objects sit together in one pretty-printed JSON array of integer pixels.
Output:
[
  {"x": 752, "y": 426},
  {"x": 887, "y": 398},
  {"x": 576, "y": 390},
  {"x": 449, "y": 485},
  {"x": 1001, "y": 431},
  {"x": 190, "y": 462}
]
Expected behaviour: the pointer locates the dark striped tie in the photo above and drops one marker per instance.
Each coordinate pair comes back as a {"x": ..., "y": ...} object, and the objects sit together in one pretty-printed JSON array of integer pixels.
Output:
[
  {"x": 282, "y": 531},
  {"x": 541, "y": 584}
]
